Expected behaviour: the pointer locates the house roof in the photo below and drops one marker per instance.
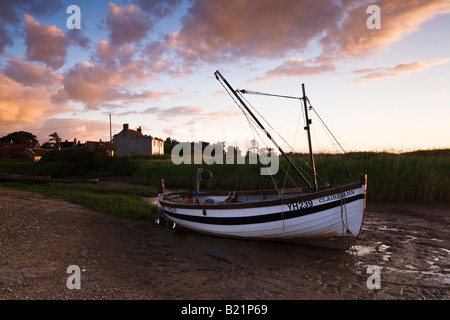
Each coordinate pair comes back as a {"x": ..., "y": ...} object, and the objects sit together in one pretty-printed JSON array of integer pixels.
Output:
[
  {"x": 99, "y": 143},
  {"x": 136, "y": 133},
  {"x": 15, "y": 145},
  {"x": 38, "y": 152}
]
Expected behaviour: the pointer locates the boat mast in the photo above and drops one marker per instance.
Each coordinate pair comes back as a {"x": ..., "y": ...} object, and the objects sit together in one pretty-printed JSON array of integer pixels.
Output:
[
  {"x": 218, "y": 74},
  {"x": 307, "y": 128}
]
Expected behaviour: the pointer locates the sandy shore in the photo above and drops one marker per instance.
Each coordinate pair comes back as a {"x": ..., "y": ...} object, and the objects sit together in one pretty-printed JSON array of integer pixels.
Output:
[{"x": 138, "y": 259}]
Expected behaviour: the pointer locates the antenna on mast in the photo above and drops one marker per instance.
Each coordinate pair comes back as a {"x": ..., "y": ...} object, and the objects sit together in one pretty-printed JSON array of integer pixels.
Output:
[
  {"x": 110, "y": 132},
  {"x": 311, "y": 156}
]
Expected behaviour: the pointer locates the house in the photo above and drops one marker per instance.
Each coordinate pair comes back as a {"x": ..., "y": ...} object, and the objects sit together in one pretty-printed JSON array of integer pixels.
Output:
[
  {"x": 96, "y": 144},
  {"x": 9, "y": 150},
  {"x": 35, "y": 154},
  {"x": 68, "y": 144},
  {"x": 129, "y": 142}
]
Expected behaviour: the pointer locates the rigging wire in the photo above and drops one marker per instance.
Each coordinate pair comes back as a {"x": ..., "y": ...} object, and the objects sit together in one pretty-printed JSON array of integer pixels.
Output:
[
  {"x": 328, "y": 131},
  {"x": 321, "y": 161},
  {"x": 275, "y": 131},
  {"x": 323, "y": 123},
  {"x": 252, "y": 125},
  {"x": 295, "y": 137},
  {"x": 304, "y": 117},
  {"x": 286, "y": 171}
]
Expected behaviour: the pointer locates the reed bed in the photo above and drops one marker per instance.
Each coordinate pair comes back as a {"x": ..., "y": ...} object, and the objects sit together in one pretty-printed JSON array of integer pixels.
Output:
[{"x": 422, "y": 176}]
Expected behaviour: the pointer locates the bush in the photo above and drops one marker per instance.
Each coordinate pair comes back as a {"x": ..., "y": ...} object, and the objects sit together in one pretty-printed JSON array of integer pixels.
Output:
[{"x": 80, "y": 160}]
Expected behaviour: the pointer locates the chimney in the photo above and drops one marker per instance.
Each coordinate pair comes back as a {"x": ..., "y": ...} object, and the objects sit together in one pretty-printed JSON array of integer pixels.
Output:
[
  {"x": 139, "y": 129},
  {"x": 125, "y": 126}
]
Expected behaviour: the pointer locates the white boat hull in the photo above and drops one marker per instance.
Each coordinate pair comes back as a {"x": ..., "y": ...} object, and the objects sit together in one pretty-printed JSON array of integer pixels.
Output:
[{"x": 335, "y": 214}]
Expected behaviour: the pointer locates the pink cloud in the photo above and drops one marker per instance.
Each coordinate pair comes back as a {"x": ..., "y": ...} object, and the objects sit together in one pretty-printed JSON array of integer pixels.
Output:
[
  {"x": 30, "y": 74},
  {"x": 297, "y": 67},
  {"x": 397, "y": 71},
  {"x": 105, "y": 51},
  {"x": 45, "y": 43},
  {"x": 70, "y": 129},
  {"x": 220, "y": 32},
  {"x": 75, "y": 36},
  {"x": 97, "y": 84},
  {"x": 167, "y": 113},
  {"x": 126, "y": 24},
  {"x": 194, "y": 113},
  {"x": 398, "y": 18},
  {"x": 216, "y": 30},
  {"x": 92, "y": 85},
  {"x": 21, "y": 103}
]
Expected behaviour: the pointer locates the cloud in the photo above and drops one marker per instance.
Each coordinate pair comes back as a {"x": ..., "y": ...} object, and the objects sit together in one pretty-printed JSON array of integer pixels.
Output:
[
  {"x": 216, "y": 31},
  {"x": 70, "y": 129},
  {"x": 351, "y": 37},
  {"x": 29, "y": 74},
  {"x": 121, "y": 57},
  {"x": 441, "y": 93},
  {"x": 126, "y": 24},
  {"x": 97, "y": 84},
  {"x": 45, "y": 43},
  {"x": 183, "y": 111},
  {"x": 76, "y": 37},
  {"x": 5, "y": 38},
  {"x": 21, "y": 103},
  {"x": 93, "y": 84},
  {"x": 168, "y": 113},
  {"x": 297, "y": 67},
  {"x": 194, "y": 114},
  {"x": 105, "y": 51},
  {"x": 11, "y": 11},
  {"x": 397, "y": 71},
  {"x": 157, "y": 8}
]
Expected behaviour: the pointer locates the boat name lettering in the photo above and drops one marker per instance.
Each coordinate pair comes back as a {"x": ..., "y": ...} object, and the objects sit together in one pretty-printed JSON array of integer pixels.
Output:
[
  {"x": 336, "y": 196},
  {"x": 170, "y": 209},
  {"x": 300, "y": 205}
]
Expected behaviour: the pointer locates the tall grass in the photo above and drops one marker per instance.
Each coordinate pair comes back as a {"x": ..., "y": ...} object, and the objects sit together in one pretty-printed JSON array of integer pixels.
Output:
[{"x": 422, "y": 176}]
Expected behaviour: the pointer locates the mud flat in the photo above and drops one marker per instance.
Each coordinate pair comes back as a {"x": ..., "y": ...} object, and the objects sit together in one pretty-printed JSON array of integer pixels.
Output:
[{"x": 138, "y": 259}]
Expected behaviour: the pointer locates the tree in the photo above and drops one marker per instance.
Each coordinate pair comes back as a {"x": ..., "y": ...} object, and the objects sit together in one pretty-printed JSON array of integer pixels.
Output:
[
  {"x": 57, "y": 140},
  {"x": 20, "y": 137},
  {"x": 47, "y": 145},
  {"x": 169, "y": 144}
]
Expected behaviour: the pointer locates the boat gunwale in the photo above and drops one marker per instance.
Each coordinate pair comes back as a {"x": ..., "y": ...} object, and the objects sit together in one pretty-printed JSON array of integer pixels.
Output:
[{"x": 259, "y": 203}]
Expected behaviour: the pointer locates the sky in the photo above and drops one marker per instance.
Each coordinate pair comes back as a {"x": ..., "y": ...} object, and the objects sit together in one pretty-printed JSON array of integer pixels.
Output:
[{"x": 380, "y": 80}]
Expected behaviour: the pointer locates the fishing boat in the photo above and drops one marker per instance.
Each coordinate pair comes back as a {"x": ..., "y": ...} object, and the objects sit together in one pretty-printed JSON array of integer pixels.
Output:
[{"x": 326, "y": 216}]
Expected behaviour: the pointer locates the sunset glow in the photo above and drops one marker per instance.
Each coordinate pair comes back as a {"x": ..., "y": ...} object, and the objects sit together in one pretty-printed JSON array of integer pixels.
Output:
[{"x": 152, "y": 64}]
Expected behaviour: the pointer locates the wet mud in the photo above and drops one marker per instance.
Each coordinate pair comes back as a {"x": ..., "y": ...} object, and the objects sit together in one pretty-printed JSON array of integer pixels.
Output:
[{"x": 403, "y": 252}]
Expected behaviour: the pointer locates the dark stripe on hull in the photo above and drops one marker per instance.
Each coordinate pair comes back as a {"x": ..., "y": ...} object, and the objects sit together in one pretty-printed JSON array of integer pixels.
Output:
[{"x": 265, "y": 217}]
